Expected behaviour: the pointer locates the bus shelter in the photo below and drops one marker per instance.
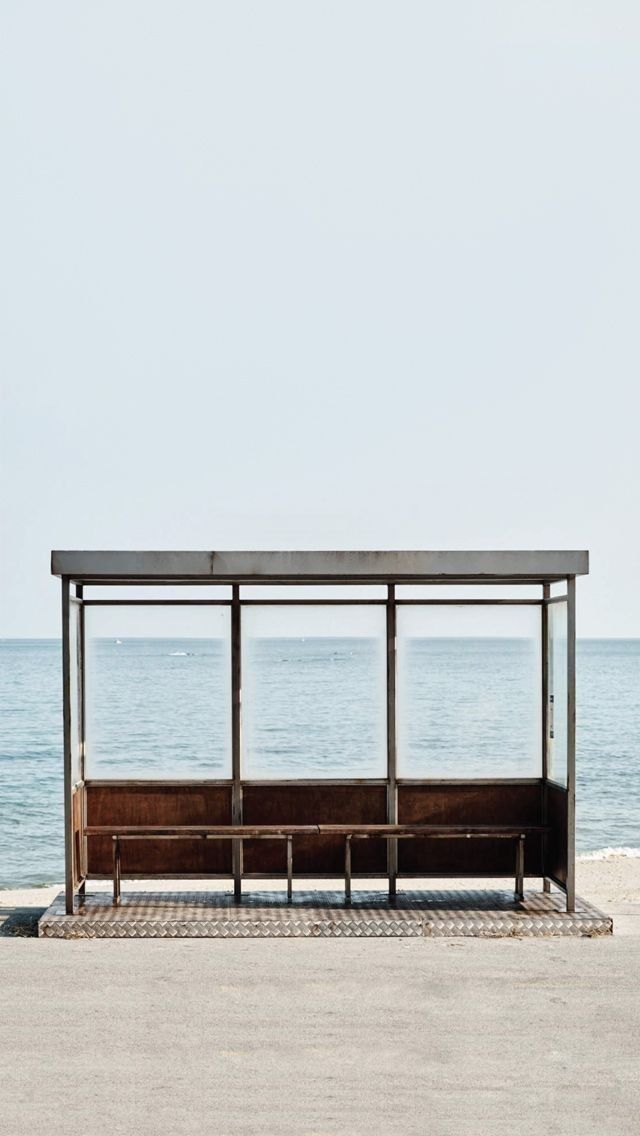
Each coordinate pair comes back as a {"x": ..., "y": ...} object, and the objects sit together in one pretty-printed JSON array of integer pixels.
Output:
[{"x": 252, "y": 715}]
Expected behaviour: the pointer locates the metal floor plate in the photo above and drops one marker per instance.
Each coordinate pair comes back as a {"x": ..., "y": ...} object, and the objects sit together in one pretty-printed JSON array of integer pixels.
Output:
[{"x": 321, "y": 914}]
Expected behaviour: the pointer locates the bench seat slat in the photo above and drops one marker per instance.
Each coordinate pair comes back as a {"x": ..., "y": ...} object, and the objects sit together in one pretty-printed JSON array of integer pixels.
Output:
[
  {"x": 194, "y": 830},
  {"x": 267, "y": 830},
  {"x": 430, "y": 829}
]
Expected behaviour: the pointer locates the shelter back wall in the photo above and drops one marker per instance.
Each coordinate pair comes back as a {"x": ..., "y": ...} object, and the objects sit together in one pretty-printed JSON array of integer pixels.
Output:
[{"x": 508, "y": 803}]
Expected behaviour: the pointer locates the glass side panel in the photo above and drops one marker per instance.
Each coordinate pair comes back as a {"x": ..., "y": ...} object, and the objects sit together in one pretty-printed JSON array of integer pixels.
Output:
[
  {"x": 164, "y": 592},
  {"x": 158, "y": 692},
  {"x": 469, "y": 692},
  {"x": 74, "y": 690},
  {"x": 313, "y": 692},
  {"x": 557, "y": 714},
  {"x": 559, "y": 588},
  {"x": 313, "y": 592},
  {"x": 468, "y": 592}
]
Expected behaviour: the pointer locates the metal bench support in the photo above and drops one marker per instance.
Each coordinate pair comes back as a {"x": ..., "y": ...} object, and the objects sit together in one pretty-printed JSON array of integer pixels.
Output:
[
  {"x": 237, "y": 848},
  {"x": 520, "y": 867},
  {"x": 116, "y": 871},
  {"x": 289, "y": 869},
  {"x": 347, "y": 869}
]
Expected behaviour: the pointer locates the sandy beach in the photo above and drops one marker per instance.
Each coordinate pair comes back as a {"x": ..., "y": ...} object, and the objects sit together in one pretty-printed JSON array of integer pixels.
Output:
[{"x": 323, "y": 1037}]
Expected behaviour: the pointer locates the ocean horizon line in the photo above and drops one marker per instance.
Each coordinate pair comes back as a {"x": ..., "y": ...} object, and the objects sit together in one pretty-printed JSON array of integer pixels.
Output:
[{"x": 169, "y": 638}]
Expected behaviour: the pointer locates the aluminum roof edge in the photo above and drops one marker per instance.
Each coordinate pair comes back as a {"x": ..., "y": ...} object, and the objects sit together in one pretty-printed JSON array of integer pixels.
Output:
[{"x": 318, "y": 566}]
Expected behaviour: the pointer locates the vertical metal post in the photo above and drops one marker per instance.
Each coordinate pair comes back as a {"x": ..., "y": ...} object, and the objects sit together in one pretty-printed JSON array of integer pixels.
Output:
[
  {"x": 571, "y": 743},
  {"x": 544, "y": 615},
  {"x": 82, "y": 732},
  {"x": 392, "y": 792},
  {"x": 66, "y": 728},
  {"x": 236, "y": 755},
  {"x": 116, "y": 870}
]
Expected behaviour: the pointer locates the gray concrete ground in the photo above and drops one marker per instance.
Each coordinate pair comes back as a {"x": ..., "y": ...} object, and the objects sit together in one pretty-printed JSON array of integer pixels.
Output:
[{"x": 322, "y": 1037}]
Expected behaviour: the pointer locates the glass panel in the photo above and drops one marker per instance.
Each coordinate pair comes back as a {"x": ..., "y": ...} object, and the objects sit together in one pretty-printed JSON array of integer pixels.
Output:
[
  {"x": 313, "y": 592},
  {"x": 158, "y": 692},
  {"x": 468, "y": 592},
  {"x": 557, "y": 745},
  {"x": 157, "y": 592},
  {"x": 74, "y": 689},
  {"x": 558, "y": 589},
  {"x": 469, "y": 692},
  {"x": 313, "y": 692}
]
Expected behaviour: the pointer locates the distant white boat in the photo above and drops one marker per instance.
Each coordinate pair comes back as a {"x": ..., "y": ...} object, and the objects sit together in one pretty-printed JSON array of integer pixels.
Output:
[{"x": 119, "y": 642}]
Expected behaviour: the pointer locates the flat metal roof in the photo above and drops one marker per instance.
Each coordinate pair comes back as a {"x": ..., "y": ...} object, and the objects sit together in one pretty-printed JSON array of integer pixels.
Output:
[{"x": 318, "y": 567}]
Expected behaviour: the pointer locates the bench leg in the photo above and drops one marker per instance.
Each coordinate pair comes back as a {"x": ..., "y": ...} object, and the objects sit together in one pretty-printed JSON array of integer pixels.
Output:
[
  {"x": 289, "y": 869},
  {"x": 116, "y": 871},
  {"x": 347, "y": 869},
  {"x": 237, "y": 869},
  {"x": 546, "y": 885},
  {"x": 520, "y": 867},
  {"x": 392, "y": 868}
]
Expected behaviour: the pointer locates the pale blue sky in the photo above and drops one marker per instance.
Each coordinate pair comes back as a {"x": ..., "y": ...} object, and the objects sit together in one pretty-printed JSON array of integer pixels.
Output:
[{"x": 320, "y": 275}]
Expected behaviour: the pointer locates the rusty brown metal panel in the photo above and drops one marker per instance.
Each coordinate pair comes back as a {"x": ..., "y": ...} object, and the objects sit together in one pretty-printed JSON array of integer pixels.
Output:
[
  {"x": 315, "y": 804},
  {"x": 488, "y": 804},
  {"x": 467, "y": 803},
  {"x": 159, "y": 804},
  {"x": 557, "y": 843}
]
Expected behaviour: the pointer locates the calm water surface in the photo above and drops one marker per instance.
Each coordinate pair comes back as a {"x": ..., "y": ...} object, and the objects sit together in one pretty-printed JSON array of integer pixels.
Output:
[{"x": 311, "y": 707}]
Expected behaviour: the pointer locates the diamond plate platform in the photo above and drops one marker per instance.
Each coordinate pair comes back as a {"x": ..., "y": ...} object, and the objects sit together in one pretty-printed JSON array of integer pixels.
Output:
[{"x": 321, "y": 914}]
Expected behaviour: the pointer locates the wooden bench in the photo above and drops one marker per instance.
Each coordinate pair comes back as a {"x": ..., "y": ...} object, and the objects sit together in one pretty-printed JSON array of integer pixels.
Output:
[{"x": 350, "y": 832}]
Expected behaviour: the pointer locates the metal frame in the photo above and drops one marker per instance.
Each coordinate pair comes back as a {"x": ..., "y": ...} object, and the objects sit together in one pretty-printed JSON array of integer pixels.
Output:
[
  {"x": 321, "y": 602},
  {"x": 320, "y": 568},
  {"x": 544, "y": 680},
  {"x": 568, "y": 885},
  {"x": 68, "y": 758},
  {"x": 571, "y": 744},
  {"x": 236, "y": 739},
  {"x": 392, "y": 791}
]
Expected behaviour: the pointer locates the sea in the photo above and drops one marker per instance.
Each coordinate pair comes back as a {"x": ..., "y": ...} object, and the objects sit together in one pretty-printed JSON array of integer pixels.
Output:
[{"x": 310, "y": 707}]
